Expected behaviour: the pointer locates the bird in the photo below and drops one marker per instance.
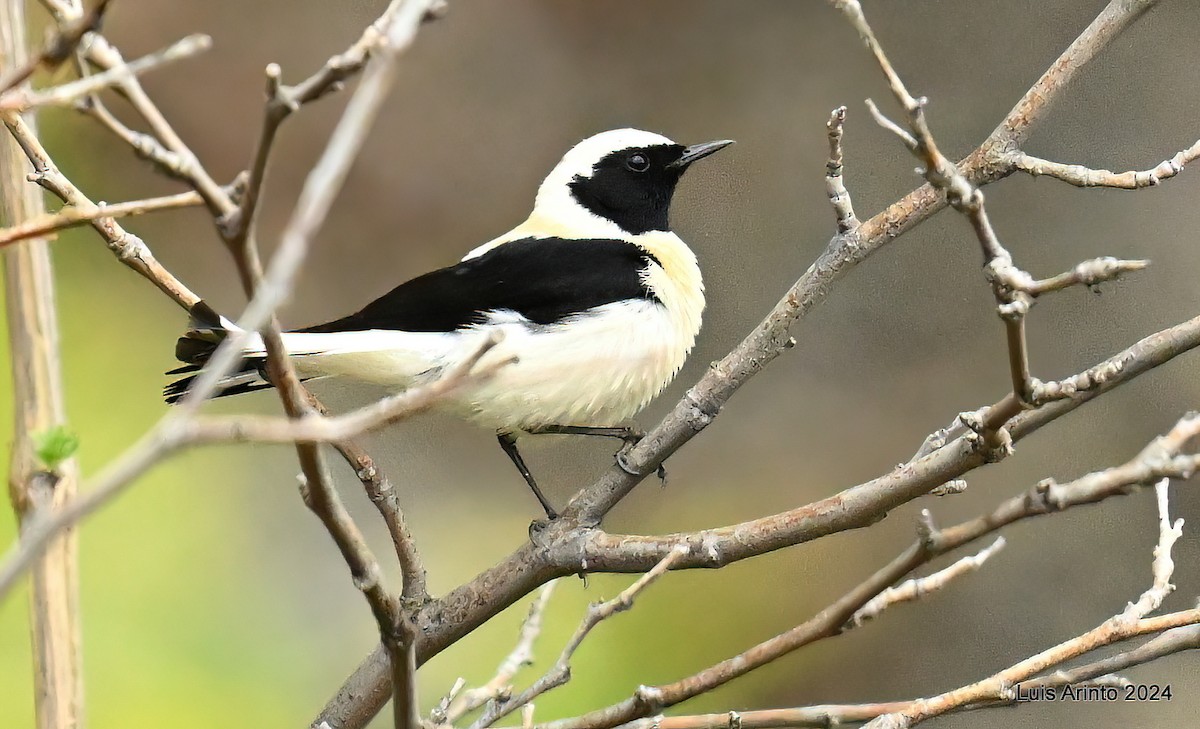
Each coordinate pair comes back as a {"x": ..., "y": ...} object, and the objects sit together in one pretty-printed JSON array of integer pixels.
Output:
[{"x": 595, "y": 300}]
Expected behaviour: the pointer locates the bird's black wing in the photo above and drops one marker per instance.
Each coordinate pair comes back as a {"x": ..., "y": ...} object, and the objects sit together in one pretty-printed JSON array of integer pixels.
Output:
[{"x": 543, "y": 279}]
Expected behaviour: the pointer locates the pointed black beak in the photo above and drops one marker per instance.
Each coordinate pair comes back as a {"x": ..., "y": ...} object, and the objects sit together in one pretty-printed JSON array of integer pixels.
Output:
[{"x": 698, "y": 151}]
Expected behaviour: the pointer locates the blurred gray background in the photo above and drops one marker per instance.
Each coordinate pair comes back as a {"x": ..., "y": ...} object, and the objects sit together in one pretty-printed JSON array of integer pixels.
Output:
[{"x": 253, "y": 609}]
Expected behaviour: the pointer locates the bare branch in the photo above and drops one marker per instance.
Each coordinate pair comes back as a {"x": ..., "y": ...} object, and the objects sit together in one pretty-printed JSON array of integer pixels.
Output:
[
  {"x": 1001, "y": 686},
  {"x": 1163, "y": 565},
  {"x": 769, "y": 339},
  {"x": 839, "y": 197},
  {"x": 72, "y": 216},
  {"x": 58, "y": 50},
  {"x": 20, "y": 100},
  {"x": 438, "y": 715},
  {"x": 184, "y": 165},
  {"x": 1169, "y": 642},
  {"x": 830, "y": 715},
  {"x": 414, "y": 589},
  {"x": 1081, "y": 176},
  {"x": 1017, "y": 125},
  {"x": 915, "y": 589},
  {"x": 500, "y": 686},
  {"x": 283, "y": 101},
  {"x": 144, "y": 146},
  {"x": 397, "y": 633},
  {"x": 1013, "y": 288},
  {"x": 560, "y": 672},
  {"x": 180, "y": 429},
  {"x": 315, "y": 428},
  {"x": 1087, "y": 273}
]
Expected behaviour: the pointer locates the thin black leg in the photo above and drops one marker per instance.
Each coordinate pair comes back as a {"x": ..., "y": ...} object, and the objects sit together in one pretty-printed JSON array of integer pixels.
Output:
[
  {"x": 629, "y": 434},
  {"x": 509, "y": 443}
]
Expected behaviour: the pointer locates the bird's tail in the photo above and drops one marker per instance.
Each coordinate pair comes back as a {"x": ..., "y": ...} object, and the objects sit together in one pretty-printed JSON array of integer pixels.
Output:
[{"x": 206, "y": 330}]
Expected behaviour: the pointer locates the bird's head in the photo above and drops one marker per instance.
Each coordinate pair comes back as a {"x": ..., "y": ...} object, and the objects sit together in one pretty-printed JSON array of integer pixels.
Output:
[{"x": 622, "y": 177}]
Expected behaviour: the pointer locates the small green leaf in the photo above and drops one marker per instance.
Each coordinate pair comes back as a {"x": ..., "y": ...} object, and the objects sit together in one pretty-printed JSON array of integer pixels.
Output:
[{"x": 55, "y": 445}]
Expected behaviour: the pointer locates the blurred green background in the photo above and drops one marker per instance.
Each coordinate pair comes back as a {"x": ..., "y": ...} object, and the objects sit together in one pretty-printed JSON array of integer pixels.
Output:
[{"x": 211, "y": 597}]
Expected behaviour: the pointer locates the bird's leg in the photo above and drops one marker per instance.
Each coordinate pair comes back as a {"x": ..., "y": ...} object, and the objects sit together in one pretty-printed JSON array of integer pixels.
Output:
[
  {"x": 509, "y": 443},
  {"x": 631, "y": 434}
]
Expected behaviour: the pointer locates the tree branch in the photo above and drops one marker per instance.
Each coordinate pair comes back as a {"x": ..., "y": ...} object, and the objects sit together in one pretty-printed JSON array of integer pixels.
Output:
[
  {"x": 57, "y": 51},
  {"x": 917, "y": 588},
  {"x": 560, "y": 672},
  {"x": 500, "y": 686},
  {"x": 839, "y": 197},
  {"x": 1031, "y": 109},
  {"x": 23, "y": 100},
  {"x": 71, "y": 216},
  {"x": 1081, "y": 176}
]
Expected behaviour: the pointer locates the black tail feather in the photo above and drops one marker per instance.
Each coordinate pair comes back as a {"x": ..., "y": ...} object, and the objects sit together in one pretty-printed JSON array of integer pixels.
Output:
[
  {"x": 175, "y": 391},
  {"x": 206, "y": 331}
]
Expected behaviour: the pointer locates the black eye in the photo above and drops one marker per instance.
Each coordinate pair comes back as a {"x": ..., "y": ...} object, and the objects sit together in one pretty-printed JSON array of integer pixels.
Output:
[{"x": 638, "y": 162}]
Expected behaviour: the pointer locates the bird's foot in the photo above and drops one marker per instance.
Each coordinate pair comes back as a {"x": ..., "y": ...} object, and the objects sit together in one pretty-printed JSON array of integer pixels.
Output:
[
  {"x": 622, "y": 459},
  {"x": 537, "y": 531}
]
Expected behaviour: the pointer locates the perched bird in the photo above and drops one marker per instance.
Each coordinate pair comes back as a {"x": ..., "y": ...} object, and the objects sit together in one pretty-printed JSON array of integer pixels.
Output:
[{"x": 595, "y": 297}]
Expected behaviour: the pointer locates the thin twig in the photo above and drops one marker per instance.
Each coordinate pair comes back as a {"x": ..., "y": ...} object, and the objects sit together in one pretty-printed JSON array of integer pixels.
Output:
[
  {"x": 57, "y": 50},
  {"x": 1081, "y": 176},
  {"x": 560, "y": 672},
  {"x": 71, "y": 216},
  {"x": 379, "y": 489},
  {"x": 283, "y": 101},
  {"x": 143, "y": 145},
  {"x": 521, "y": 656},
  {"x": 835, "y": 186},
  {"x": 19, "y": 100},
  {"x": 1167, "y": 643},
  {"x": 438, "y": 715},
  {"x": 918, "y": 588}
]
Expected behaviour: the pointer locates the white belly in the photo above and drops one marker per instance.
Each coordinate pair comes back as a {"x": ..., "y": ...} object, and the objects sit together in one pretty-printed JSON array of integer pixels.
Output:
[{"x": 598, "y": 368}]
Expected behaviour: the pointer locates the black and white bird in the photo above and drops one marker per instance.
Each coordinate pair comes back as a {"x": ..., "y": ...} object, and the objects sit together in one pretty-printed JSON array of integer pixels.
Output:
[{"x": 595, "y": 297}]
